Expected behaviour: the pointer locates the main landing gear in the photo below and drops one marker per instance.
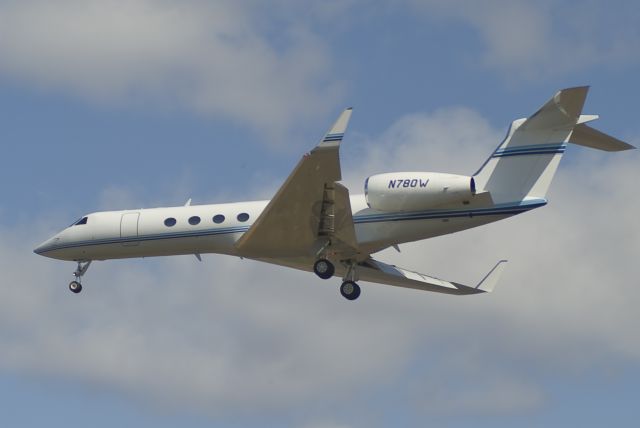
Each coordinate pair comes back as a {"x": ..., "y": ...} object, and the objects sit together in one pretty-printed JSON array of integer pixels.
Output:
[
  {"x": 324, "y": 268},
  {"x": 76, "y": 286},
  {"x": 349, "y": 289}
]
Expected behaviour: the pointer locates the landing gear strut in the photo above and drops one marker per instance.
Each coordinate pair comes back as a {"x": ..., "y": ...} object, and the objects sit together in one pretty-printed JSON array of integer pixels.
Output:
[
  {"x": 324, "y": 268},
  {"x": 349, "y": 289},
  {"x": 76, "y": 286}
]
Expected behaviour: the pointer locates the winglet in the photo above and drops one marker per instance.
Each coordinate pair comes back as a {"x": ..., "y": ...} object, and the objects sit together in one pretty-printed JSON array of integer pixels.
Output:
[
  {"x": 489, "y": 282},
  {"x": 334, "y": 136}
]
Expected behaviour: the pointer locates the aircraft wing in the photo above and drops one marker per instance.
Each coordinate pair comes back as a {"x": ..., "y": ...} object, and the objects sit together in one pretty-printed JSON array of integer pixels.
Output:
[
  {"x": 374, "y": 271},
  {"x": 309, "y": 210}
]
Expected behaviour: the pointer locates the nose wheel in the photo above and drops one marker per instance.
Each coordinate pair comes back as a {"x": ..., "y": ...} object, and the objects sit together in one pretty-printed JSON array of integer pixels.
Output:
[{"x": 76, "y": 286}]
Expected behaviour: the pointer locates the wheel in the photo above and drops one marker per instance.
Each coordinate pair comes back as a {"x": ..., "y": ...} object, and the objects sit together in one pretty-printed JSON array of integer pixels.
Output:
[
  {"x": 324, "y": 268},
  {"x": 75, "y": 287},
  {"x": 350, "y": 290}
]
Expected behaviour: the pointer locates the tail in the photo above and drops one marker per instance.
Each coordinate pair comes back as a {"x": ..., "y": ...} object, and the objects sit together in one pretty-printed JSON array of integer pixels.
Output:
[{"x": 524, "y": 164}]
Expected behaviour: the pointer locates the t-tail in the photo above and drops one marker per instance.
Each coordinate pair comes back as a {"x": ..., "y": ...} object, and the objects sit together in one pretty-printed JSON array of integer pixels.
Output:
[{"x": 523, "y": 165}]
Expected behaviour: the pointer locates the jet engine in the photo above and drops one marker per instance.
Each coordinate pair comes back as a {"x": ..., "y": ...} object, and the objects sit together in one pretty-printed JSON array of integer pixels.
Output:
[{"x": 415, "y": 191}]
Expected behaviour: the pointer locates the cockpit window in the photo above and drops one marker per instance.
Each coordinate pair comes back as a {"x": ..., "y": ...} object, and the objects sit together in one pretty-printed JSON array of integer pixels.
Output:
[{"x": 83, "y": 220}]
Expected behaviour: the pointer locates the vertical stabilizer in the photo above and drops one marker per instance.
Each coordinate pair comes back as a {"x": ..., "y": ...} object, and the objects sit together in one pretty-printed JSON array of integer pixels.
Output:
[{"x": 525, "y": 162}]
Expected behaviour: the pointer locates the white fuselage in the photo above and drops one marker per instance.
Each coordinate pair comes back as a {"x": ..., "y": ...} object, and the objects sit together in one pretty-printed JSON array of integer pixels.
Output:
[{"x": 143, "y": 233}]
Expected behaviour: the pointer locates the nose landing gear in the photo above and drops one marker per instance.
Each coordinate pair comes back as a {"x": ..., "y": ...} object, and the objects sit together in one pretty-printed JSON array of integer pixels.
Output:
[{"x": 76, "y": 286}]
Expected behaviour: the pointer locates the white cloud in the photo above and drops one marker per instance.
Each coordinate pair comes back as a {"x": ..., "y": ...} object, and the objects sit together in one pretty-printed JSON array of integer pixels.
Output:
[
  {"x": 532, "y": 40},
  {"x": 209, "y": 57},
  {"x": 454, "y": 391},
  {"x": 215, "y": 336},
  {"x": 226, "y": 334},
  {"x": 422, "y": 142},
  {"x": 569, "y": 286}
]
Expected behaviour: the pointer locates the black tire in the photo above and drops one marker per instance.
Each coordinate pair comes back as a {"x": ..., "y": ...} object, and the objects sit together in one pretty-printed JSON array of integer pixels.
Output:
[
  {"x": 324, "y": 268},
  {"x": 75, "y": 287},
  {"x": 350, "y": 290}
]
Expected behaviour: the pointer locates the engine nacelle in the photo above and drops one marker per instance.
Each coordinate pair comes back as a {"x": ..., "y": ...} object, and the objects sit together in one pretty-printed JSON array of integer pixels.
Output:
[{"x": 415, "y": 191}]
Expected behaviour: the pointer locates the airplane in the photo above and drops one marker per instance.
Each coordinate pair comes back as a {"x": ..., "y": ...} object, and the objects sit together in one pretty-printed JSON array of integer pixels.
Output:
[{"x": 313, "y": 223}]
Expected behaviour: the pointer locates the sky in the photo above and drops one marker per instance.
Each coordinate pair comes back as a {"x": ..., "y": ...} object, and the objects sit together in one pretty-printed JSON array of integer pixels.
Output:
[{"x": 127, "y": 104}]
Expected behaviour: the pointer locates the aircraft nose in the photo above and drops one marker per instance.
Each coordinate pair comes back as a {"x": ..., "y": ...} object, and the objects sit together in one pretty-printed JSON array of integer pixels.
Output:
[
  {"x": 44, "y": 247},
  {"x": 41, "y": 248}
]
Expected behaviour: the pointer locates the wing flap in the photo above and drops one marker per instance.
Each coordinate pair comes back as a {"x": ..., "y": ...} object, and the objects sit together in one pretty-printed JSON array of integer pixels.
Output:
[
  {"x": 343, "y": 236},
  {"x": 382, "y": 273}
]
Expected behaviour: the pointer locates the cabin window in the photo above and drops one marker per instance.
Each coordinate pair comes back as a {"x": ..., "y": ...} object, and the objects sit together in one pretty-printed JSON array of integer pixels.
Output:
[
  {"x": 243, "y": 217},
  {"x": 218, "y": 218},
  {"x": 194, "y": 220},
  {"x": 83, "y": 220},
  {"x": 170, "y": 222}
]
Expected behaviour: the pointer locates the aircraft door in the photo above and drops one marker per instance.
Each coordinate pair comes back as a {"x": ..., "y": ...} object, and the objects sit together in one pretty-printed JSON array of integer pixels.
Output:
[{"x": 129, "y": 227}]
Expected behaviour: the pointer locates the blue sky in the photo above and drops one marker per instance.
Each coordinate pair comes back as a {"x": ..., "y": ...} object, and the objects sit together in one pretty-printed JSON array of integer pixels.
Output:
[{"x": 113, "y": 104}]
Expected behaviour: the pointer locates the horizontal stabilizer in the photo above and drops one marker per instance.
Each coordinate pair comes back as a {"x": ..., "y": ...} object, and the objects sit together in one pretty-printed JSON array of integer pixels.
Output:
[
  {"x": 585, "y": 135},
  {"x": 382, "y": 273}
]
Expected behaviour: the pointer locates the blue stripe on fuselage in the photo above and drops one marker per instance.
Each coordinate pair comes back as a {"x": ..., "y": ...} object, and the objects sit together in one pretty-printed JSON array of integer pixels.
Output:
[
  {"x": 439, "y": 214},
  {"x": 502, "y": 209}
]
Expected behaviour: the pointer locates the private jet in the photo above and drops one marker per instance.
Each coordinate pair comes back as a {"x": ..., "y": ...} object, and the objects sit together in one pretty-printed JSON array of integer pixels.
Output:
[{"x": 313, "y": 223}]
